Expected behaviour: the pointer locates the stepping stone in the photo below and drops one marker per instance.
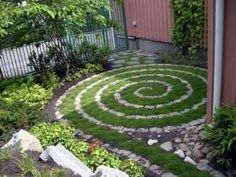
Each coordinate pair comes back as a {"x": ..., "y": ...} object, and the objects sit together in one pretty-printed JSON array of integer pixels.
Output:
[
  {"x": 168, "y": 175},
  {"x": 167, "y": 146}
]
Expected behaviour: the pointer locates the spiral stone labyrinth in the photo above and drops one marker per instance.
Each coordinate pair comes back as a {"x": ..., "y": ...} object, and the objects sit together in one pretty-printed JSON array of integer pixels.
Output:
[{"x": 140, "y": 97}]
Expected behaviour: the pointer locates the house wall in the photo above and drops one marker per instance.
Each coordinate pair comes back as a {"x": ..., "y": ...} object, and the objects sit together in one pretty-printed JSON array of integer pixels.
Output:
[
  {"x": 150, "y": 23},
  {"x": 229, "y": 55}
]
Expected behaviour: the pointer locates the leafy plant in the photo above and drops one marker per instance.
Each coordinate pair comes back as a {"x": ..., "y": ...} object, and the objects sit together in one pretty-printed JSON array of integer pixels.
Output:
[
  {"x": 132, "y": 169},
  {"x": 100, "y": 156},
  {"x": 52, "y": 134},
  {"x": 188, "y": 27},
  {"x": 222, "y": 135}
]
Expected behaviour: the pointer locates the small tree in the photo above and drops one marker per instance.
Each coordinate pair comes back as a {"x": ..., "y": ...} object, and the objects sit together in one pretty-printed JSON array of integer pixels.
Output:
[{"x": 50, "y": 20}]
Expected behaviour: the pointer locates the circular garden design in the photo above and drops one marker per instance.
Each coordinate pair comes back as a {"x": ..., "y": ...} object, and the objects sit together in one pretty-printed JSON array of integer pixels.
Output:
[{"x": 139, "y": 97}]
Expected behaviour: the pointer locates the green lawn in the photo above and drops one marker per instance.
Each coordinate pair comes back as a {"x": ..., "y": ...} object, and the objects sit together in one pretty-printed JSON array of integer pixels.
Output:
[{"x": 146, "y": 77}]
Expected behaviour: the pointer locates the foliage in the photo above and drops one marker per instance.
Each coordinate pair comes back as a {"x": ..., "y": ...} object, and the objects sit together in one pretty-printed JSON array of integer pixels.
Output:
[
  {"x": 100, "y": 156},
  {"x": 88, "y": 69},
  {"x": 188, "y": 27},
  {"x": 49, "y": 22},
  {"x": 21, "y": 103},
  {"x": 52, "y": 134},
  {"x": 222, "y": 135},
  {"x": 131, "y": 168},
  {"x": 48, "y": 80},
  {"x": 90, "y": 53},
  {"x": 29, "y": 93},
  {"x": 171, "y": 58}
]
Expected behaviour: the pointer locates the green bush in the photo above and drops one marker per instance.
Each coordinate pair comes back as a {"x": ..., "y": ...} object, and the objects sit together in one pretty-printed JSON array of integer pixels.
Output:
[
  {"x": 21, "y": 104},
  {"x": 100, "y": 156},
  {"x": 26, "y": 92},
  {"x": 131, "y": 168},
  {"x": 55, "y": 133},
  {"x": 222, "y": 135}
]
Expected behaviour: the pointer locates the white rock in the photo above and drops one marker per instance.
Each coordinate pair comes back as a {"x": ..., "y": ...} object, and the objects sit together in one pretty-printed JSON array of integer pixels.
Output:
[
  {"x": 180, "y": 153},
  {"x": 189, "y": 160},
  {"x": 152, "y": 141},
  {"x": 26, "y": 141},
  {"x": 64, "y": 158},
  {"x": 167, "y": 146},
  {"x": 104, "y": 171}
]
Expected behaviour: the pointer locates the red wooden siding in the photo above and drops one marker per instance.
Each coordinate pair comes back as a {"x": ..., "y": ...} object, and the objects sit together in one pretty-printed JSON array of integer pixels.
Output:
[
  {"x": 229, "y": 56},
  {"x": 153, "y": 17}
]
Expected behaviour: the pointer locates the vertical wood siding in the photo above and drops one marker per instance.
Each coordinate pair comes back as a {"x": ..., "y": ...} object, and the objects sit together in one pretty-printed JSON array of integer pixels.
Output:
[
  {"x": 229, "y": 56},
  {"x": 153, "y": 17}
]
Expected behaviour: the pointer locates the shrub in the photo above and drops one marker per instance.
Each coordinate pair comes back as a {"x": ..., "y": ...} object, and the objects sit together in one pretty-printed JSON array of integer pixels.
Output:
[
  {"x": 21, "y": 104},
  {"x": 131, "y": 168},
  {"x": 100, "y": 156},
  {"x": 52, "y": 134},
  {"x": 222, "y": 135}
]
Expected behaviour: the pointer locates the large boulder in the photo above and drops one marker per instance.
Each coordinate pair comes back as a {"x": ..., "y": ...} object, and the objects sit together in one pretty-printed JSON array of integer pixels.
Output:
[
  {"x": 25, "y": 141},
  {"x": 104, "y": 171},
  {"x": 64, "y": 158}
]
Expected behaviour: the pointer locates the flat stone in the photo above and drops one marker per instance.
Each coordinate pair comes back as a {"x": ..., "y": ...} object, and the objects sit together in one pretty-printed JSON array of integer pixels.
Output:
[
  {"x": 26, "y": 141},
  {"x": 203, "y": 165},
  {"x": 184, "y": 147},
  {"x": 217, "y": 174},
  {"x": 206, "y": 150},
  {"x": 167, "y": 146},
  {"x": 152, "y": 141},
  {"x": 156, "y": 130},
  {"x": 189, "y": 160},
  {"x": 64, "y": 158},
  {"x": 198, "y": 154},
  {"x": 180, "y": 153},
  {"x": 104, "y": 171},
  {"x": 178, "y": 140},
  {"x": 168, "y": 175}
]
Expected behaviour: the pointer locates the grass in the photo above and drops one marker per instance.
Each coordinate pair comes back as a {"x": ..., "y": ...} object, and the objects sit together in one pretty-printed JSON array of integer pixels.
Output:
[{"x": 156, "y": 155}]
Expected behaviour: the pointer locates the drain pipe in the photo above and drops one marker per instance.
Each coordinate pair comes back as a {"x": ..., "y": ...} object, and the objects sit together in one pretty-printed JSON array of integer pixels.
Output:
[{"x": 219, "y": 30}]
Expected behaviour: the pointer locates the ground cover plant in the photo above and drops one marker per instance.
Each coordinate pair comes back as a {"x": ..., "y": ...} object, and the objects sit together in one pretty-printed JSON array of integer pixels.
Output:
[
  {"x": 21, "y": 105},
  {"x": 124, "y": 98},
  {"x": 222, "y": 135},
  {"x": 93, "y": 156}
]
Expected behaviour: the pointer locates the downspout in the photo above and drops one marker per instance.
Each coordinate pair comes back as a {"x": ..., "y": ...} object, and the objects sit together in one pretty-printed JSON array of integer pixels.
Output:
[{"x": 219, "y": 30}]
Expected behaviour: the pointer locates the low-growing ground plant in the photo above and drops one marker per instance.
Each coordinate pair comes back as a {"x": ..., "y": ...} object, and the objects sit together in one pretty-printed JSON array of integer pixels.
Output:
[
  {"x": 222, "y": 135},
  {"x": 55, "y": 133}
]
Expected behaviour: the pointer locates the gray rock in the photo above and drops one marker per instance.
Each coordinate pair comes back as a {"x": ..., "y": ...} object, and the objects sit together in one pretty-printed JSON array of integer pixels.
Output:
[
  {"x": 167, "y": 146},
  {"x": 64, "y": 158},
  {"x": 198, "y": 154},
  {"x": 178, "y": 140},
  {"x": 168, "y": 175},
  {"x": 180, "y": 153},
  {"x": 203, "y": 165},
  {"x": 217, "y": 174},
  {"x": 26, "y": 141},
  {"x": 152, "y": 141},
  {"x": 189, "y": 160},
  {"x": 156, "y": 130},
  {"x": 104, "y": 171},
  {"x": 184, "y": 147},
  {"x": 206, "y": 149}
]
